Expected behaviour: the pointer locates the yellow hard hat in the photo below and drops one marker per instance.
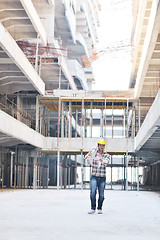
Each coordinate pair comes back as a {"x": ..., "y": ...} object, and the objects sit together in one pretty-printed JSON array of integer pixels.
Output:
[{"x": 101, "y": 141}]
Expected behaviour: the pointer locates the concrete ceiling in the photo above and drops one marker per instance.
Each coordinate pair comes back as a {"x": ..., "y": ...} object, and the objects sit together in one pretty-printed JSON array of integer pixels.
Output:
[
  {"x": 145, "y": 75},
  {"x": 21, "y": 27},
  {"x": 17, "y": 23}
]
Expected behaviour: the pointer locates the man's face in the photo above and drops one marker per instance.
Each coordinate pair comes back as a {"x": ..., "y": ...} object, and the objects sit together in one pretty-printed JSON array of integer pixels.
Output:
[{"x": 101, "y": 147}]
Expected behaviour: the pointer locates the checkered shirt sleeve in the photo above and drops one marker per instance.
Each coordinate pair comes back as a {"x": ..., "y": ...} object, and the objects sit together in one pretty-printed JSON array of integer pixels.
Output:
[{"x": 99, "y": 169}]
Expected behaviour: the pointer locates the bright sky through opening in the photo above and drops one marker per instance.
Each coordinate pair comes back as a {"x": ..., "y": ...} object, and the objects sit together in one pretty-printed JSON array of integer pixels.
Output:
[{"x": 112, "y": 70}]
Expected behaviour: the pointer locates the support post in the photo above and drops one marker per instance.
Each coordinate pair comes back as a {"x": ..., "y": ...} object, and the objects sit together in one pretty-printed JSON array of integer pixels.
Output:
[
  {"x": 112, "y": 121},
  {"x": 59, "y": 115},
  {"x": 35, "y": 169},
  {"x": 139, "y": 114},
  {"x": 137, "y": 174},
  {"x": 131, "y": 173},
  {"x": 23, "y": 170},
  {"x": 66, "y": 127},
  {"x": 11, "y": 172},
  {"x": 47, "y": 170},
  {"x": 18, "y": 107},
  {"x": 0, "y": 167},
  {"x": 76, "y": 123},
  {"x": 38, "y": 171},
  {"x": 41, "y": 120},
  {"x": 26, "y": 170},
  {"x": 75, "y": 172},
  {"x": 58, "y": 166},
  {"x": 70, "y": 120},
  {"x": 133, "y": 123},
  {"x": 69, "y": 172},
  {"x": 105, "y": 119},
  {"x": 82, "y": 169},
  {"x": 101, "y": 123},
  {"x": 82, "y": 119},
  {"x": 36, "y": 58},
  {"x": 3, "y": 167},
  {"x": 127, "y": 151},
  {"x": 15, "y": 167},
  {"x": 91, "y": 118},
  {"x": 62, "y": 121},
  {"x": 124, "y": 123},
  {"x": 59, "y": 79},
  {"x": 111, "y": 173}
]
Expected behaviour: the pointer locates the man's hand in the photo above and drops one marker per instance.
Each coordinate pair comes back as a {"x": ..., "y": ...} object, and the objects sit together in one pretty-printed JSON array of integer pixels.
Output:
[
  {"x": 100, "y": 160},
  {"x": 90, "y": 153}
]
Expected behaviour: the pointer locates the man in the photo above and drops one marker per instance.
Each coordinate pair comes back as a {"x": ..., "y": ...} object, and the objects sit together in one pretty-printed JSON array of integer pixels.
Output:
[{"x": 98, "y": 159}]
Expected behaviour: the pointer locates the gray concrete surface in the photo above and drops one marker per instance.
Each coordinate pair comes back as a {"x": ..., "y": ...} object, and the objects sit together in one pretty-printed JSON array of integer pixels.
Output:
[{"x": 56, "y": 215}]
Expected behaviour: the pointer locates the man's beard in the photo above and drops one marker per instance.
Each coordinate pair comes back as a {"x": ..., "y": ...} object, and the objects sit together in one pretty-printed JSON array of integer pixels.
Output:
[{"x": 101, "y": 150}]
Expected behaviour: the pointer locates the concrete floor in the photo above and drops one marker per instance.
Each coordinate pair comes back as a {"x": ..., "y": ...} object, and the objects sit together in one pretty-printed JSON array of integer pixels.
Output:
[{"x": 56, "y": 215}]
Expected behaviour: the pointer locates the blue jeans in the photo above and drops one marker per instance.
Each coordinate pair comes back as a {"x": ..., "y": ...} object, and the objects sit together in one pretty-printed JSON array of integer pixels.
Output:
[{"x": 97, "y": 182}]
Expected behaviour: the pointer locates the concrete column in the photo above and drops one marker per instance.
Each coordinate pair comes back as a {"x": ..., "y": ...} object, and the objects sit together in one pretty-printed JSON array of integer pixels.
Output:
[
  {"x": 20, "y": 159},
  {"x": 18, "y": 108},
  {"x": 11, "y": 167},
  {"x": 0, "y": 168},
  {"x": 158, "y": 170},
  {"x": 69, "y": 172},
  {"x": 112, "y": 121},
  {"x": 139, "y": 114},
  {"x": 58, "y": 168},
  {"x": 62, "y": 121},
  {"x": 124, "y": 172},
  {"x": 91, "y": 118},
  {"x": 124, "y": 123},
  {"x": 82, "y": 170},
  {"x": 65, "y": 172},
  {"x": 23, "y": 170},
  {"x": 60, "y": 175},
  {"x": 26, "y": 170},
  {"x": 133, "y": 123},
  {"x": 82, "y": 119},
  {"x": 15, "y": 167},
  {"x": 59, "y": 78},
  {"x": 61, "y": 172},
  {"x": 47, "y": 170},
  {"x": 35, "y": 169},
  {"x": 75, "y": 172},
  {"x": 70, "y": 120},
  {"x": 127, "y": 170},
  {"x": 2, "y": 162},
  {"x": 40, "y": 66},
  {"x": 41, "y": 120},
  {"x": 59, "y": 117},
  {"x": 105, "y": 119},
  {"x": 137, "y": 174},
  {"x": 38, "y": 171},
  {"x": 156, "y": 173},
  {"x": 111, "y": 172},
  {"x": 66, "y": 127},
  {"x": 131, "y": 173},
  {"x": 18, "y": 168},
  {"x": 85, "y": 124},
  {"x": 36, "y": 58},
  {"x": 101, "y": 123},
  {"x": 127, "y": 157},
  {"x": 37, "y": 114},
  {"x": 76, "y": 123}
]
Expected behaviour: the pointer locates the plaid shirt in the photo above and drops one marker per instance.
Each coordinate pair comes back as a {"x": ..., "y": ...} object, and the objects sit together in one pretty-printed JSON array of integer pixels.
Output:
[{"x": 98, "y": 168}]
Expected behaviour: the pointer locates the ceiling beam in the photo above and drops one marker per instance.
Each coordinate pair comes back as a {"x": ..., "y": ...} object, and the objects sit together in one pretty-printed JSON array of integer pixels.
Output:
[{"x": 15, "y": 53}]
